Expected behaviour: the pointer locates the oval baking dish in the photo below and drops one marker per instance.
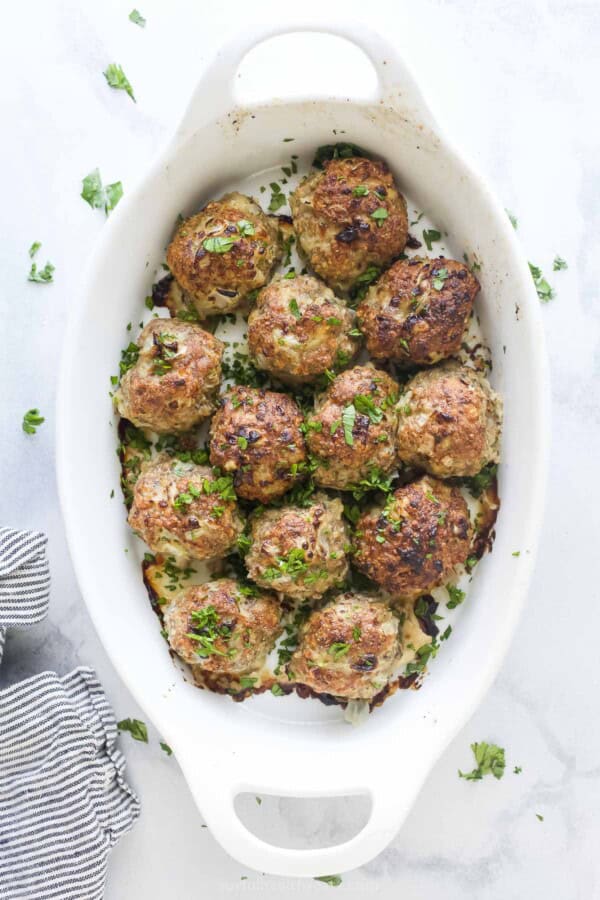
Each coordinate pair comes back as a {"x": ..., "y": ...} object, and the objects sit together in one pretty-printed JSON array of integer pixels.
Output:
[{"x": 263, "y": 746}]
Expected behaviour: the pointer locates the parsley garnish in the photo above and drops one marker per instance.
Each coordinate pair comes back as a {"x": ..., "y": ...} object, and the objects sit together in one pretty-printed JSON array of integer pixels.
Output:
[
  {"x": 376, "y": 480},
  {"x": 206, "y": 630},
  {"x": 218, "y": 244},
  {"x": 294, "y": 308},
  {"x": 544, "y": 291},
  {"x": 367, "y": 407},
  {"x": 331, "y": 880},
  {"x": 559, "y": 263},
  {"x": 430, "y": 235},
  {"x": 513, "y": 219},
  {"x": 246, "y": 681},
  {"x": 98, "y": 196},
  {"x": 489, "y": 759},
  {"x": 245, "y": 228},
  {"x": 166, "y": 748},
  {"x": 292, "y": 565},
  {"x": 440, "y": 277},
  {"x": 338, "y": 649},
  {"x": 136, "y": 729},
  {"x": 361, "y": 190},
  {"x": 336, "y": 151},
  {"x": 477, "y": 484},
  {"x": 348, "y": 419},
  {"x": 456, "y": 596},
  {"x": 31, "y": 421},
  {"x": 43, "y": 276},
  {"x": 380, "y": 215},
  {"x": 137, "y": 19},
  {"x": 116, "y": 78},
  {"x": 129, "y": 357},
  {"x": 277, "y": 690},
  {"x": 278, "y": 198},
  {"x": 242, "y": 442},
  {"x": 287, "y": 250},
  {"x": 362, "y": 283}
]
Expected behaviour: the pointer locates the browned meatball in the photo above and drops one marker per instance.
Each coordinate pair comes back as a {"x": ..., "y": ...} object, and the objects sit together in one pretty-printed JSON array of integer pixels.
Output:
[
  {"x": 348, "y": 217},
  {"x": 416, "y": 313},
  {"x": 300, "y": 552},
  {"x": 449, "y": 422},
  {"x": 414, "y": 543},
  {"x": 349, "y": 648},
  {"x": 223, "y": 626},
  {"x": 353, "y": 427},
  {"x": 224, "y": 253},
  {"x": 255, "y": 436},
  {"x": 299, "y": 328},
  {"x": 183, "y": 510},
  {"x": 173, "y": 383}
]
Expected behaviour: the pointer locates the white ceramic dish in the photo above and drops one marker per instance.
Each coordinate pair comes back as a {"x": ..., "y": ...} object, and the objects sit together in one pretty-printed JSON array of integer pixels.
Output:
[{"x": 298, "y": 748}]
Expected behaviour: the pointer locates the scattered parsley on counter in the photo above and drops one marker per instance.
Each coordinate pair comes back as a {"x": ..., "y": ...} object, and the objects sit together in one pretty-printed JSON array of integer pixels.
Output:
[
  {"x": 489, "y": 759},
  {"x": 544, "y": 291},
  {"x": 513, "y": 219},
  {"x": 559, "y": 263},
  {"x": 31, "y": 421},
  {"x": 331, "y": 880},
  {"x": 137, "y": 18},
  {"x": 117, "y": 79},
  {"x": 99, "y": 196},
  {"x": 43, "y": 276},
  {"x": 136, "y": 729},
  {"x": 34, "y": 249},
  {"x": 539, "y": 817},
  {"x": 166, "y": 748},
  {"x": 517, "y": 770}
]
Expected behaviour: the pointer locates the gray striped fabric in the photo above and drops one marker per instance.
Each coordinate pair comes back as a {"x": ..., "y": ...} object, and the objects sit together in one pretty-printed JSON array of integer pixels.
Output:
[
  {"x": 24, "y": 579},
  {"x": 64, "y": 801}
]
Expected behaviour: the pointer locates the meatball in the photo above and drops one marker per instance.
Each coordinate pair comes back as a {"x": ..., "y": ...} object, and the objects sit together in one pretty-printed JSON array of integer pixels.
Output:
[
  {"x": 222, "y": 626},
  {"x": 417, "y": 311},
  {"x": 353, "y": 430},
  {"x": 348, "y": 217},
  {"x": 255, "y": 436},
  {"x": 414, "y": 543},
  {"x": 183, "y": 510},
  {"x": 173, "y": 383},
  {"x": 299, "y": 328},
  {"x": 349, "y": 648},
  {"x": 224, "y": 253},
  {"x": 300, "y": 552},
  {"x": 449, "y": 422}
]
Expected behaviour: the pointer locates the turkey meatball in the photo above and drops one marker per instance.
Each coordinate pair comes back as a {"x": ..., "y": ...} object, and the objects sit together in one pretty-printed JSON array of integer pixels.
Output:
[
  {"x": 449, "y": 421},
  {"x": 349, "y": 648},
  {"x": 183, "y": 510},
  {"x": 417, "y": 311},
  {"x": 348, "y": 217},
  {"x": 300, "y": 552},
  {"x": 353, "y": 427},
  {"x": 255, "y": 436},
  {"x": 414, "y": 543},
  {"x": 173, "y": 384},
  {"x": 222, "y": 627},
  {"x": 224, "y": 253},
  {"x": 299, "y": 328}
]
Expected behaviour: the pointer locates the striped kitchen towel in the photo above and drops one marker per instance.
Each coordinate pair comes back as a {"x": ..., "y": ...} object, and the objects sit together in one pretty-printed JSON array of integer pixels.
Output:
[
  {"x": 64, "y": 802},
  {"x": 24, "y": 579}
]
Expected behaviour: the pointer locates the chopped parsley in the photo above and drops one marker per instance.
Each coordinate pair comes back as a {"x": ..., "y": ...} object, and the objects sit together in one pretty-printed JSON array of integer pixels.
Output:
[
  {"x": 361, "y": 190},
  {"x": 291, "y": 565},
  {"x": 336, "y": 151},
  {"x": 129, "y": 357},
  {"x": 362, "y": 283},
  {"x": 246, "y": 228},
  {"x": 367, "y": 407},
  {"x": 137, "y": 19},
  {"x": 430, "y": 235},
  {"x": 455, "y": 595},
  {"x": 331, "y": 880},
  {"x": 287, "y": 250},
  {"x": 513, "y": 219},
  {"x": 32, "y": 420},
  {"x": 166, "y": 748},
  {"x": 242, "y": 442},
  {"x": 559, "y": 264},
  {"x": 136, "y": 729},
  {"x": 517, "y": 770},
  {"x": 348, "y": 420},
  {"x": 539, "y": 817},
  {"x": 116, "y": 78},
  {"x": 380, "y": 215},
  {"x": 376, "y": 480},
  {"x": 478, "y": 484},
  {"x": 247, "y": 681},
  {"x": 277, "y": 690},
  {"x": 294, "y": 308},
  {"x": 34, "y": 249},
  {"x": 39, "y": 276},
  {"x": 544, "y": 291},
  {"x": 206, "y": 631},
  {"x": 440, "y": 276},
  {"x": 278, "y": 198},
  {"x": 99, "y": 196},
  {"x": 218, "y": 244},
  {"x": 489, "y": 759},
  {"x": 338, "y": 649}
]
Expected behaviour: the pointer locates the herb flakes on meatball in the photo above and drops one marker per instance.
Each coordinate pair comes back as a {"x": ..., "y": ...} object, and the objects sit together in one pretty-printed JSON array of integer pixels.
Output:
[
  {"x": 225, "y": 253},
  {"x": 353, "y": 428},
  {"x": 348, "y": 217},
  {"x": 184, "y": 510},
  {"x": 416, "y": 540},
  {"x": 172, "y": 383},
  {"x": 349, "y": 648},
  {"x": 449, "y": 421},
  {"x": 256, "y": 436},
  {"x": 222, "y": 626},
  {"x": 416, "y": 313},
  {"x": 299, "y": 328},
  {"x": 300, "y": 551}
]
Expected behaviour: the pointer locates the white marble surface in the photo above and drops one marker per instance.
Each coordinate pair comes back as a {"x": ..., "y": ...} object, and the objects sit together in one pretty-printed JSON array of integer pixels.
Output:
[{"x": 515, "y": 83}]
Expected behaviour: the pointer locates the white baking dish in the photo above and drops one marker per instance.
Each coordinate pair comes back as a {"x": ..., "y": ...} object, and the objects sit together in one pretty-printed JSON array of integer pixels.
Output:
[{"x": 266, "y": 745}]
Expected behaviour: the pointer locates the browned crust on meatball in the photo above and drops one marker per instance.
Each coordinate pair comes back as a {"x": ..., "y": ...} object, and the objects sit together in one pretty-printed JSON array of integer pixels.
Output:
[
  {"x": 173, "y": 385},
  {"x": 336, "y": 228},
  {"x": 407, "y": 319},
  {"x": 219, "y": 282},
  {"x": 348, "y": 648},
  {"x": 318, "y": 532},
  {"x": 414, "y": 543},
  {"x": 299, "y": 328},
  {"x": 207, "y": 527},
  {"x": 339, "y": 464},
  {"x": 449, "y": 421},
  {"x": 235, "y": 638},
  {"x": 255, "y": 436}
]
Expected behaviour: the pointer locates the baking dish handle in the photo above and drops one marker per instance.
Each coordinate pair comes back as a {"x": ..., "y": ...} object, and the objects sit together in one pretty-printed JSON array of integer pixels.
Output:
[
  {"x": 386, "y": 815},
  {"x": 214, "y": 96}
]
